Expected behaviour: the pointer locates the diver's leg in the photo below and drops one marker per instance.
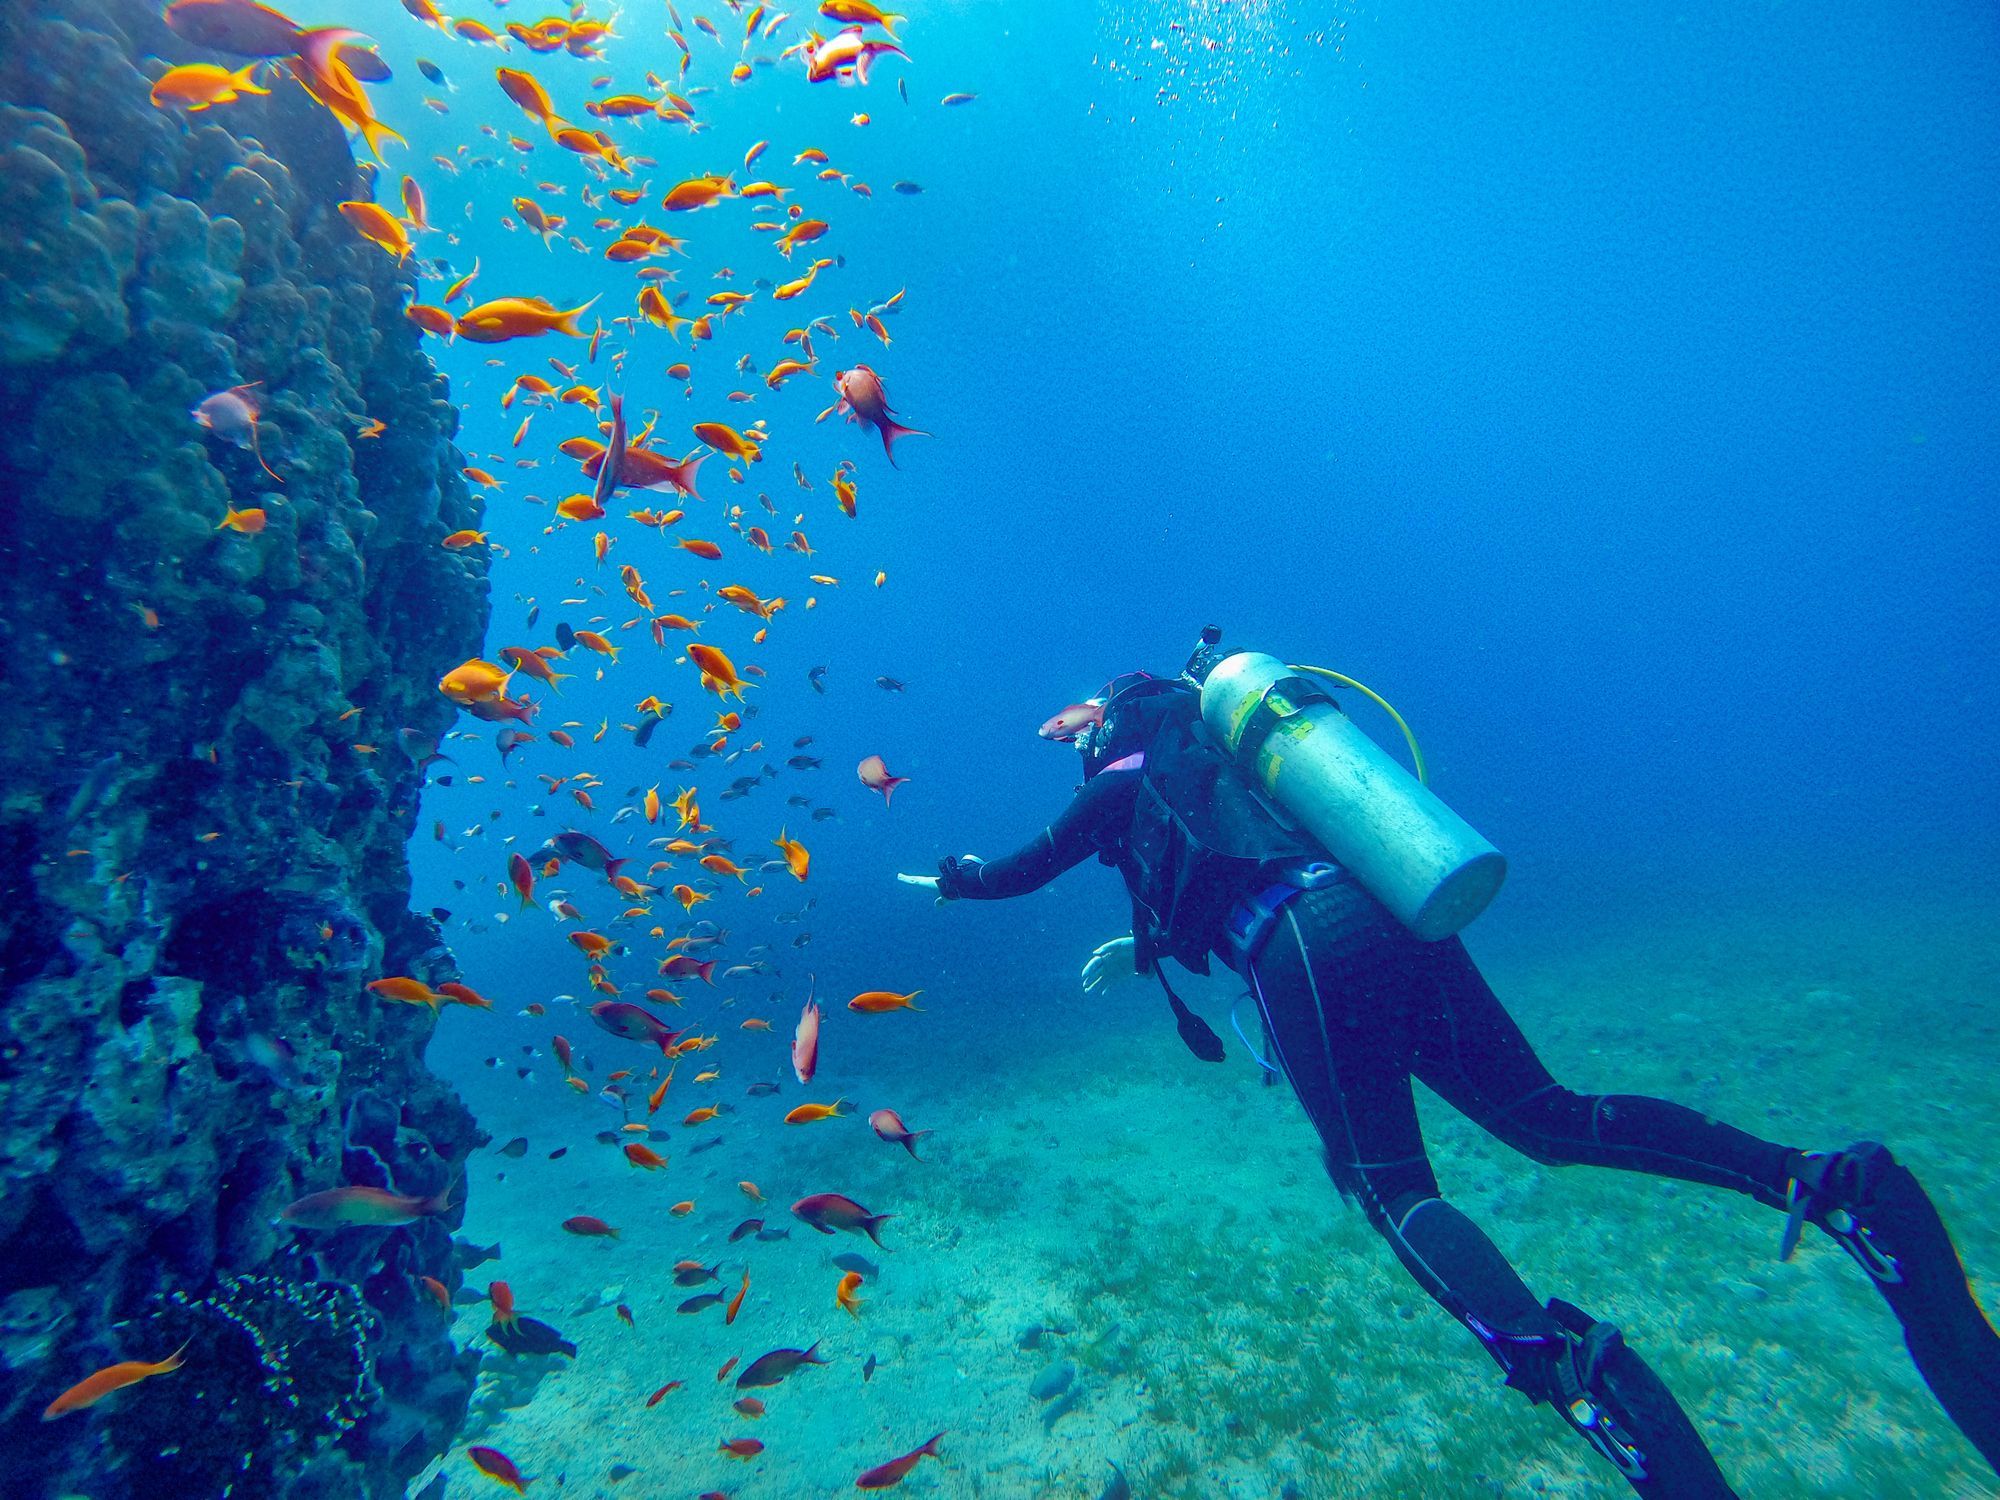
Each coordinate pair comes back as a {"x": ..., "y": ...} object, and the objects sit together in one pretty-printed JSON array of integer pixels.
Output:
[
  {"x": 1470, "y": 1051},
  {"x": 1353, "y": 1080}
]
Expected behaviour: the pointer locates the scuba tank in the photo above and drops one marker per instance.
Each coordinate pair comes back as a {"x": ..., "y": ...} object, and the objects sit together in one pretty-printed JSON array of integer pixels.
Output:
[{"x": 1427, "y": 865}]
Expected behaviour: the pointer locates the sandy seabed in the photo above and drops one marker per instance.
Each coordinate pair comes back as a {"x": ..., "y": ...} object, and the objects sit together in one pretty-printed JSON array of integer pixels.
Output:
[{"x": 1111, "y": 1252}]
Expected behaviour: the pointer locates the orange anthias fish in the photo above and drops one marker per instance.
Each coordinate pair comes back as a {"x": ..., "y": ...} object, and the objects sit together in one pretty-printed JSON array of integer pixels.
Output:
[
  {"x": 94, "y": 1388},
  {"x": 797, "y": 859},
  {"x": 642, "y": 1155},
  {"x": 844, "y": 1294},
  {"x": 198, "y": 86},
  {"x": 718, "y": 673},
  {"x": 877, "y": 1002},
  {"x": 519, "y": 318},
  {"x": 807, "y": 1114}
]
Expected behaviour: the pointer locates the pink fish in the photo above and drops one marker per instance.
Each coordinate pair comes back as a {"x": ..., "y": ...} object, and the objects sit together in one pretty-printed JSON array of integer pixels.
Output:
[
  {"x": 863, "y": 400},
  {"x": 611, "y": 464},
  {"x": 890, "y": 1127},
  {"x": 874, "y": 774},
  {"x": 827, "y": 1212},
  {"x": 886, "y": 1476},
  {"x": 680, "y": 966},
  {"x": 350, "y": 1207},
  {"x": 233, "y": 414},
  {"x": 847, "y": 54},
  {"x": 805, "y": 1044},
  {"x": 633, "y": 1022},
  {"x": 1072, "y": 721}
]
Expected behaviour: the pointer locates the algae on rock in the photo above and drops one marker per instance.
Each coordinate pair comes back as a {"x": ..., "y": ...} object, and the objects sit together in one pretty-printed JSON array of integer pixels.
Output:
[{"x": 199, "y": 865}]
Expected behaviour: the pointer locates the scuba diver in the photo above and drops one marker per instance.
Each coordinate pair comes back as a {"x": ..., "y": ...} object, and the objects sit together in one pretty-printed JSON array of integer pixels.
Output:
[{"x": 1252, "y": 821}]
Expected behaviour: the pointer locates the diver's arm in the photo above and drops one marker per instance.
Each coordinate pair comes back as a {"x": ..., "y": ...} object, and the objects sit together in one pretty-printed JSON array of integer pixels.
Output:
[{"x": 1094, "y": 819}]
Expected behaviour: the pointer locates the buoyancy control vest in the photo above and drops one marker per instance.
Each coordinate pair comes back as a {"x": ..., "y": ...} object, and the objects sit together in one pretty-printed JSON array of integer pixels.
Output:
[{"x": 1200, "y": 839}]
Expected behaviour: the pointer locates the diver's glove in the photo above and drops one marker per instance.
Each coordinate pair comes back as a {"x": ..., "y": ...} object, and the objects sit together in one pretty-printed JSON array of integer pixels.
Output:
[
  {"x": 948, "y": 884},
  {"x": 955, "y": 873},
  {"x": 1110, "y": 961}
]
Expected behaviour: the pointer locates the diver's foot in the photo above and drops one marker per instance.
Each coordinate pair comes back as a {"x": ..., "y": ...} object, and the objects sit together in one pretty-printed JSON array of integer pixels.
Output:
[
  {"x": 1615, "y": 1402},
  {"x": 1876, "y": 1210}
]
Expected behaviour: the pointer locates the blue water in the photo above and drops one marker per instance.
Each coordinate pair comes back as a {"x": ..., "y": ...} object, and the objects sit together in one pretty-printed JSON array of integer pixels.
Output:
[{"x": 1612, "y": 390}]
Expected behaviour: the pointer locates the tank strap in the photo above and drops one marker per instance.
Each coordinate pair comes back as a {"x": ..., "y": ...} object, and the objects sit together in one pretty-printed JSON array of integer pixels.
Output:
[{"x": 1251, "y": 920}]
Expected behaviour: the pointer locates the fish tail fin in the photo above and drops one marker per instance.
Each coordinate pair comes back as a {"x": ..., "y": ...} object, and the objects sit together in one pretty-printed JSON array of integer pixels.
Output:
[
  {"x": 889, "y": 788},
  {"x": 173, "y": 1361},
  {"x": 374, "y": 131},
  {"x": 318, "y": 47},
  {"x": 613, "y": 866},
  {"x": 891, "y": 430},
  {"x": 910, "y": 1142},
  {"x": 931, "y": 1446},
  {"x": 244, "y": 79},
  {"x": 440, "y": 1202},
  {"x": 567, "y": 322},
  {"x": 257, "y": 452},
  {"x": 872, "y": 1224}
]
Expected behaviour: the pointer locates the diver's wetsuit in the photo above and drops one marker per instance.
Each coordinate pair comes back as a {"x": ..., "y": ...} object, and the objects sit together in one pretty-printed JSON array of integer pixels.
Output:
[{"x": 1356, "y": 1006}]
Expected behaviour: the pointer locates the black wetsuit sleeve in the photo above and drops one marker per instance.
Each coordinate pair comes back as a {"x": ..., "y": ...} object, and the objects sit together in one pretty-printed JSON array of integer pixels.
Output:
[{"x": 1094, "y": 820}]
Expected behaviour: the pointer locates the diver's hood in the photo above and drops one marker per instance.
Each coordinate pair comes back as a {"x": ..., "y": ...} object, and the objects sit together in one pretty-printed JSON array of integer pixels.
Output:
[{"x": 1132, "y": 703}]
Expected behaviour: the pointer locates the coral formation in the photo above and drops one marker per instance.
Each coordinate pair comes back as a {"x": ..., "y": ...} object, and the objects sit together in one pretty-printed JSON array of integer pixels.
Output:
[{"x": 204, "y": 796}]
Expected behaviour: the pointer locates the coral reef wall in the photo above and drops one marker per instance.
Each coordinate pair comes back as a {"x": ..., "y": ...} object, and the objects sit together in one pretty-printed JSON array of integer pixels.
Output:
[{"x": 209, "y": 768}]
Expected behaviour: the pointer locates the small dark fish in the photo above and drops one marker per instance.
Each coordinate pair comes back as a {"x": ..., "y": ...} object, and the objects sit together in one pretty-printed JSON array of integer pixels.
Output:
[
  {"x": 529, "y": 1336},
  {"x": 680, "y": 765},
  {"x": 535, "y": 613},
  {"x": 868, "y": 1368},
  {"x": 890, "y": 684},
  {"x": 621, "y": 1472},
  {"x": 909, "y": 189},
  {"x": 821, "y": 814},
  {"x": 516, "y": 1148},
  {"x": 761, "y": 1090},
  {"x": 440, "y": 914},
  {"x": 559, "y": 1153},
  {"x": 643, "y": 736},
  {"x": 769, "y": 1369},
  {"x": 1117, "y": 1487},
  {"x": 804, "y": 762},
  {"x": 565, "y": 637},
  {"x": 814, "y": 677},
  {"x": 435, "y": 74},
  {"x": 802, "y": 939},
  {"x": 802, "y": 741},
  {"x": 365, "y": 64},
  {"x": 774, "y": 1234},
  {"x": 696, "y": 1275},
  {"x": 748, "y": 1226},
  {"x": 798, "y": 799},
  {"x": 847, "y": 1260},
  {"x": 708, "y": 1145},
  {"x": 469, "y": 1255},
  {"x": 706, "y": 1299},
  {"x": 903, "y": 90},
  {"x": 607, "y": 1137}
]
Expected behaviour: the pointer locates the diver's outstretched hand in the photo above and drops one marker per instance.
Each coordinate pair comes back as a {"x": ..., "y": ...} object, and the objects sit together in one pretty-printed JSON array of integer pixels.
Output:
[
  {"x": 927, "y": 882},
  {"x": 1110, "y": 962}
]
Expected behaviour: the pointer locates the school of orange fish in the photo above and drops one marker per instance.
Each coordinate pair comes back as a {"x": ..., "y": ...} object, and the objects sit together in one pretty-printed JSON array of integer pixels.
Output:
[{"x": 576, "y": 878}]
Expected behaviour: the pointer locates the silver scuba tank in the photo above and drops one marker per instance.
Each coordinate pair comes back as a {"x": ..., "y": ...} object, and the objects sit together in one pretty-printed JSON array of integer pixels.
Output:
[{"x": 1416, "y": 856}]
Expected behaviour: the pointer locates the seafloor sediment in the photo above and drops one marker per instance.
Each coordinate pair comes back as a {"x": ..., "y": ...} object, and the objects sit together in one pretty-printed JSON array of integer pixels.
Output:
[
  {"x": 1111, "y": 1253},
  {"x": 206, "y": 788}
]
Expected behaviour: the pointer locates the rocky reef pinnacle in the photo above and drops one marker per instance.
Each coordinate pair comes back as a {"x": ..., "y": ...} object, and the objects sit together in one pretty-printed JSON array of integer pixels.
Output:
[{"x": 209, "y": 770}]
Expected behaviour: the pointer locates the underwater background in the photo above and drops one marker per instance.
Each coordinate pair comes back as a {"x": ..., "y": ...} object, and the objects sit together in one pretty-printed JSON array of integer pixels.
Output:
[{"x": 1612, "y": 391}]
